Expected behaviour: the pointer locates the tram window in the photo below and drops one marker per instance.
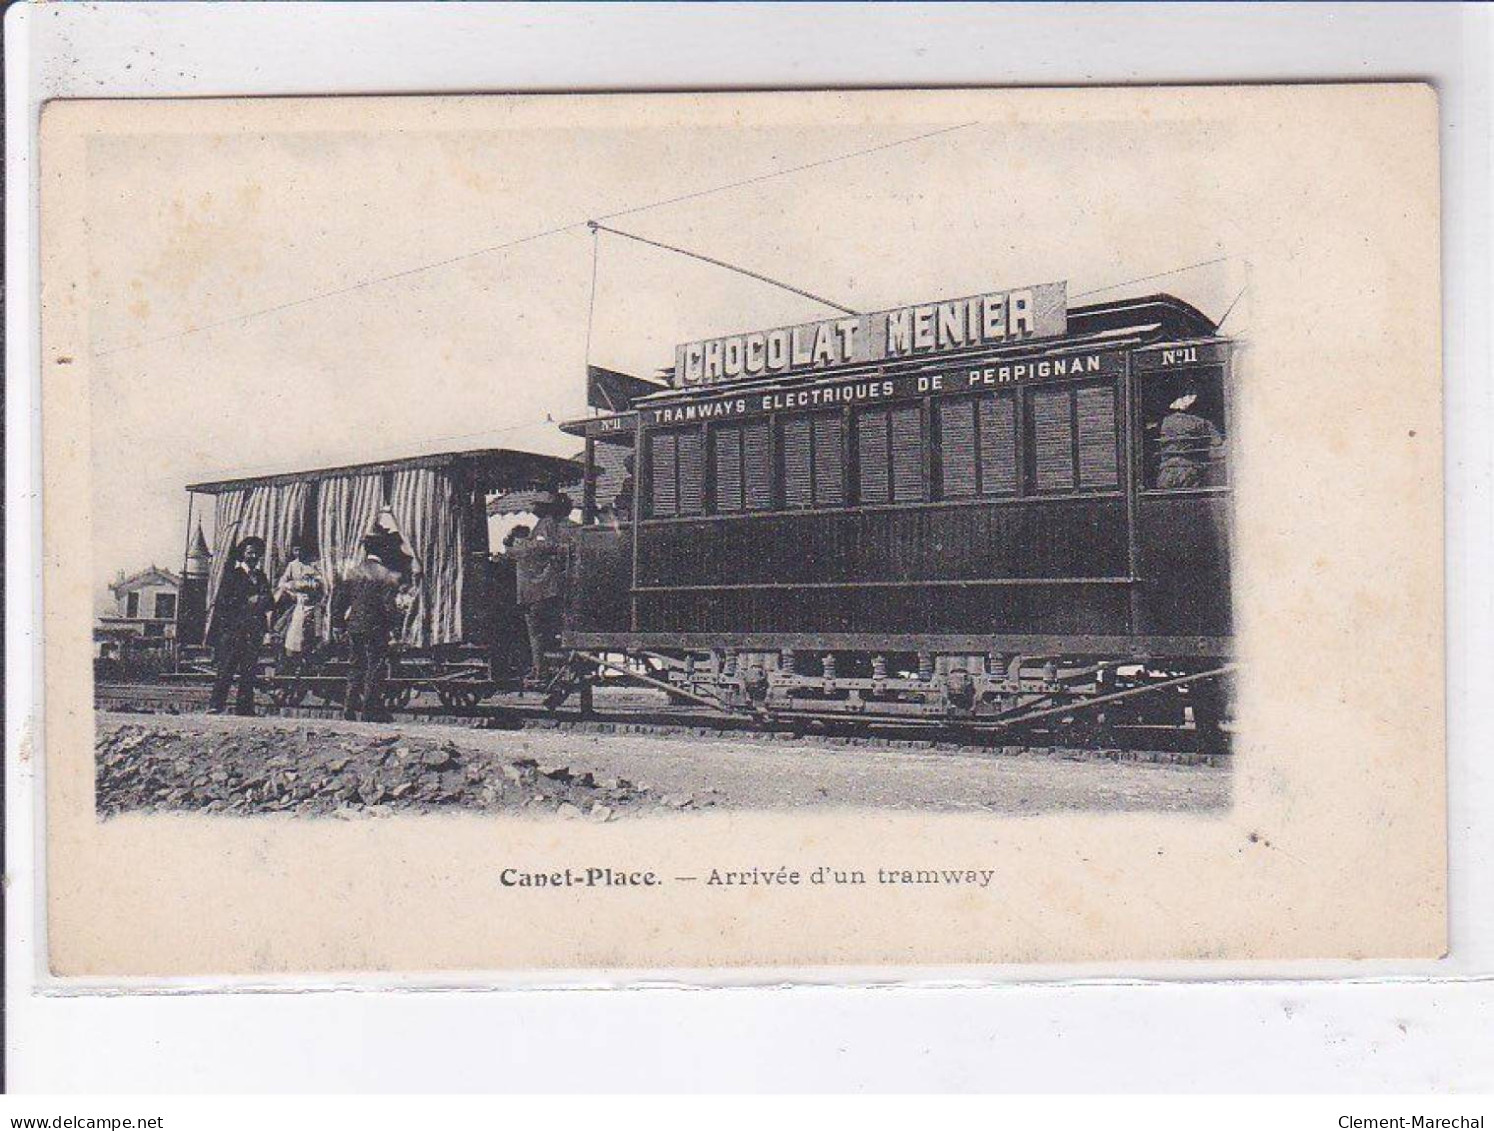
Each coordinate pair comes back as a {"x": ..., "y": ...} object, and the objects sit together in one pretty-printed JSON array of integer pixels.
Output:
[
  {"x": 907, "y": 453},
  {"x": 1184, "y": 430},
  {"x": 957, "y": 454},
  {"x": 742, "y": 459},
  {"x": 677, "y": 473},
  {"x": 1094, "y": 417},
  {"x": 727, "y": 454},
  {"x": 665, "y": 500},
  {"x": 889, "y": 451},
  {"x": 998, "y": 444},
  {"x": 798, "y": 462},
  {"x": 978, "y": 446},
  {"x": 692, "y": 472},
  {"x": 829, "y": 460},
  {"x": 662, "y": 477},
  {"x": 813, "y": 472},
  {"x": 872, "y": 482},
  {"x": 757, "y": 465},
  {"x": 1074, "y": 438},
  {"x": 1053, "y": 439}
]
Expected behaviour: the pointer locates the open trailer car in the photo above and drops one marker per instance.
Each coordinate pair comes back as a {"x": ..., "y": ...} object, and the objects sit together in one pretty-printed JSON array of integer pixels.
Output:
[
  {"x": 983, "y": 536},
  {"x": 460, "y": 638}
]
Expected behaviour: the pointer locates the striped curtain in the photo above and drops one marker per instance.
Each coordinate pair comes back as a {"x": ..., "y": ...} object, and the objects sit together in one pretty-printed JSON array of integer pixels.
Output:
[
  {"x": 275, "y": 513},
  {"x": 347, "y": 506},
  {"x": 428, "y": 508},
  {"x": 228, "y": 508},
  {"x": 280, "y": 519}
]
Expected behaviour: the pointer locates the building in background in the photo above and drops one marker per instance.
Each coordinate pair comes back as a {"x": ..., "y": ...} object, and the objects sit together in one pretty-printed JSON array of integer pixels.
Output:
[{"x": 144, "y": 615}]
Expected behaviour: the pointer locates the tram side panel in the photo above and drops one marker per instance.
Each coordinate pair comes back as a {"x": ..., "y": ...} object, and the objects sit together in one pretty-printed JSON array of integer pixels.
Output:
[
  {"x": 1020, "y": 567},
  {"x": 1183, "y": 544},
  {"x": 603, "y": 570},
  {"x": 1183, "y": 532}
]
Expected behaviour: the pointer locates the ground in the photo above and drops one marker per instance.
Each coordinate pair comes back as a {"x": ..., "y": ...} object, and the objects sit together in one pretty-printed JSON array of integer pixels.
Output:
[{"x": 197, "y": 762}]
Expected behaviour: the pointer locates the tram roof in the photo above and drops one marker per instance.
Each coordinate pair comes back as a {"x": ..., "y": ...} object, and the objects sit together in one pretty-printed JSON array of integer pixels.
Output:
[{"x": 495, "y": 469}]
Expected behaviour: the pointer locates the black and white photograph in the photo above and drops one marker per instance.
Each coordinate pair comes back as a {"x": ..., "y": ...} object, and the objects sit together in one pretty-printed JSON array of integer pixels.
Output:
[
  {"x": 630, "y": 472},
  {"x": 956, "y": 538}
]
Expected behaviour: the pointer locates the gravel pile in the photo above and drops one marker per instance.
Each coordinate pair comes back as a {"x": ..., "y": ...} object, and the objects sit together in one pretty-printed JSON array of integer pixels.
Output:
[{"x": 319, "y": 770}]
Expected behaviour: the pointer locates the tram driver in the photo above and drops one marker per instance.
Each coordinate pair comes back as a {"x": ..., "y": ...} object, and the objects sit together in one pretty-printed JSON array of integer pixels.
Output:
[
  {"x": 1189, "y": 445},
  {"x": 543, "y": 564},
  {"x": 622, "y": 506}
]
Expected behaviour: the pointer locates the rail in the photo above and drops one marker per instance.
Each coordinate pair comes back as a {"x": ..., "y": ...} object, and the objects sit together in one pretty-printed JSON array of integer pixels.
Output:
[
  {"x": 905, "y": 583},
  {"x": 1113, "y": 697},
  {"x": 713, "y": 704}
]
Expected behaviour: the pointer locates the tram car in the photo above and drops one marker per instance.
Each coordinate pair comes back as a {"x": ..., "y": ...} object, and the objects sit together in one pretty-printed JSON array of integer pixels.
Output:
[
  {"x": 995, "y": 512},
  {"x": 460, "y": 637}
]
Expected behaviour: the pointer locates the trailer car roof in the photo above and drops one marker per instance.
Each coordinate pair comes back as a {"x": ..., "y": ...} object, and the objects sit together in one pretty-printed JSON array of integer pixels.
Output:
[{"x": 496, "y": 469}]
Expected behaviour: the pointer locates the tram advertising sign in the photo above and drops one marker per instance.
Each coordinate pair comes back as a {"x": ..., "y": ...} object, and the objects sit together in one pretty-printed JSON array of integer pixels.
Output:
[
  {"x": 855, "y": 391},
  {"x": 994, "y": 318}
]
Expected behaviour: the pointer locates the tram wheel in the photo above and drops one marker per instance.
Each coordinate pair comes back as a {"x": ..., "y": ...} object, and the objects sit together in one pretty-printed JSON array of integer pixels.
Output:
[
  {"x": 398, "y": 697},
  {"x": 1209, "y": 701},
  {"x": 1087, "y": 730},
  {"x": 458, "y": 696},
  {"x": 287, "y": 694}
]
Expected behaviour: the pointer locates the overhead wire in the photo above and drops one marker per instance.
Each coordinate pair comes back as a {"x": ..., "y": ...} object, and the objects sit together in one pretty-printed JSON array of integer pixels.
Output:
[
  {"x": 349, "y": 289},
  {"x": 591, "y": 311},
  {"x": 596, "y": 227},
  {"x": 591, "y": 301},
  {"x": 1230, "y": 309},
  {"x": 393, "y": 276},
  {"x": 732, "y": 267},
  {"x": 784, "y": 172},
  {"x": 1158, "y": 275}
]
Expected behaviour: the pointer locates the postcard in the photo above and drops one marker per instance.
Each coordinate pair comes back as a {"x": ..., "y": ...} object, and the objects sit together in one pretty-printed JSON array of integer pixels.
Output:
[{"x": 742, "y": 531}]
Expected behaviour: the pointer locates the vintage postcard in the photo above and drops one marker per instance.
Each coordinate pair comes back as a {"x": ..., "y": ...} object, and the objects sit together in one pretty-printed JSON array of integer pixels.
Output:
[{"x": 696, "y": 531}]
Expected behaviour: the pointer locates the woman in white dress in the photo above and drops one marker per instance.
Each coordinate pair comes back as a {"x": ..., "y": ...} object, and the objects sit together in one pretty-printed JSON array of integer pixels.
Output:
[{"x": 302, "y": 583}]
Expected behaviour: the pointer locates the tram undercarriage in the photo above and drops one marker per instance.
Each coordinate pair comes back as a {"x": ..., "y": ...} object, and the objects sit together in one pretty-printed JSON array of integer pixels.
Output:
[{"x": 1083, "y": 699}]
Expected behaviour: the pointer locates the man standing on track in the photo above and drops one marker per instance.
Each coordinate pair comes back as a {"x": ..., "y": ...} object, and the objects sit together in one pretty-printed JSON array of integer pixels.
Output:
[
  {"x": 543, "y": 561},
  {"x": 239, "y": 613},
  {"x": 368, "y": 601}
]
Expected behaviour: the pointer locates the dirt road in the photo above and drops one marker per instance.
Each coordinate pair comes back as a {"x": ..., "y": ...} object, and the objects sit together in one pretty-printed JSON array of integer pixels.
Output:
[{"x": 197, "y": 762}]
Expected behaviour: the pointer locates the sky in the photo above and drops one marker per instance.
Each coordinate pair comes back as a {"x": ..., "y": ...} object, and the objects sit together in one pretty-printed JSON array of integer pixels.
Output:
[{"x": 201, "y": 220}]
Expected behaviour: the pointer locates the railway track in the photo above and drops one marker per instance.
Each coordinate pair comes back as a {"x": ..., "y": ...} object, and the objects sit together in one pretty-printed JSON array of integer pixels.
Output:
[{"x": 634, "y": 714}]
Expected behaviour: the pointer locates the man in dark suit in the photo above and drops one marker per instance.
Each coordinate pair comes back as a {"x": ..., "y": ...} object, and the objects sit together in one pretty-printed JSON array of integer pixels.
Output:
[
  {"x": 243, "y": 603},
  {"x": 368, "y": 606},
  {"x": 543, "y": 561}
]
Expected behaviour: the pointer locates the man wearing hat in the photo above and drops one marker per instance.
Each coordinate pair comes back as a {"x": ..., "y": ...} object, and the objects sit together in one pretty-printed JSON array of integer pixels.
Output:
[
  {"x": 622, "y": 506},
  {"x": 239, "y": 613},
  {"x": 542, "y": 561},
  {"x": 367, "y": 601},
  {"x": 1188, "y": 444}
]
